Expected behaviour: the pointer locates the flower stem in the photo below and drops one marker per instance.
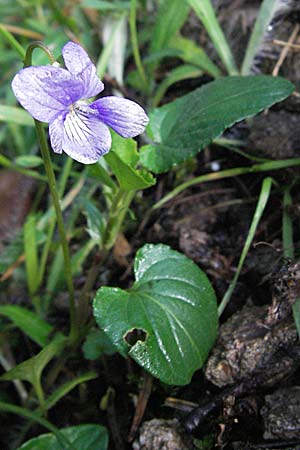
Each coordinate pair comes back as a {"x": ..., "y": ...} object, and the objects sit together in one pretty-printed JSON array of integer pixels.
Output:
[
  {"x": 32, "y": 47},
  {"x": 52, "y": 221},
  {"x": 60, "y": 224},
  {"x": 118, "y": 209}
]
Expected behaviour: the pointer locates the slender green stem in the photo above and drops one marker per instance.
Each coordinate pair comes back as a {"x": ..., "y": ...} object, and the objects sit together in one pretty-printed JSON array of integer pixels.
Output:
[
  {"x": 264, "y": 167},
  {"x": 41, "y": 46},
  {"x": 287, "y": 225},
  {"x": 55, "y": 197},
  {"x": 262, "y": 201},
  {"x": 60, "y": 224},
  {"x": 62, "y": 184},
  {"x": 134, "y": 42},
  {"x": 40, "y": 394},
  {"x": 117, "y": 213}
]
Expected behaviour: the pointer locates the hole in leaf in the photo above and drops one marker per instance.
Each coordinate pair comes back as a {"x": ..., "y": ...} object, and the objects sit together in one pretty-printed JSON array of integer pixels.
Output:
[{"x": 135, "y": 335}]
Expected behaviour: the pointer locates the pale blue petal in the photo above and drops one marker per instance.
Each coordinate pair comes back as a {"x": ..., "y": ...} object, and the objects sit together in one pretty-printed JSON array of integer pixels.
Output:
[
  {"x": 124, "y": 116},
  {"x": 44, "y": 91},
  {"x": 80, "y": 65},
  {"x": 56, "y": 133},
  {"x": 80, "y": 135}
]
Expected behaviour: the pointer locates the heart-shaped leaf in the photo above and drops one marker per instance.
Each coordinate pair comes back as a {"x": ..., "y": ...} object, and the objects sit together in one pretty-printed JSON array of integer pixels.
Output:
[
  {"x": 191, "y": 122},
  {"x": 82, "y": 437},
  {"x": 167, "y": 322}
]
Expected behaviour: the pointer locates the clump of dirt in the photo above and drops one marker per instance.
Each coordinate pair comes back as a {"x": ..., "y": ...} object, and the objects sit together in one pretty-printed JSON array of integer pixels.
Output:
[
  {"x": 281, "y": 414},
  {"x": 162, "y": 434},
  {"x": 275, "y": 135}
]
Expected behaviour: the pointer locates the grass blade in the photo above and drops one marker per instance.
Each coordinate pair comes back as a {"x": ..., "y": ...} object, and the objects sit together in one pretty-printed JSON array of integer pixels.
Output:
[
  {"x": 265, "y": 15},
  {"x": 287, "y": 226},
  {"x": 262, "y": 201},
  {"x": 206, "y": 13},
  {"x": 31, "y": 254}
]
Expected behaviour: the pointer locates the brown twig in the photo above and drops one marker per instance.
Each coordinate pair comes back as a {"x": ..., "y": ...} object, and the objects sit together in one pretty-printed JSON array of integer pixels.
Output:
[
  {"x": 285, "y": 50},
  {"x": 144, "y": 395}
]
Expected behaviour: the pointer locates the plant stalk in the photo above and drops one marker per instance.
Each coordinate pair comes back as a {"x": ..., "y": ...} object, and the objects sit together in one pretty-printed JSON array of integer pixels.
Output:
[{"x": 60, "y": 225}]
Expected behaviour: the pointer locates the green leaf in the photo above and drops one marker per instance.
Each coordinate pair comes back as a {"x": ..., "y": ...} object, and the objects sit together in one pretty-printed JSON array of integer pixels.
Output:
[
  {"x": 31, "y": 253},
  {"x": 122, "y": 159},
  {"x": 11, "y": 252},
  {"x": 32, "y": 325},
  {"x": 188, "y": 124},
  {"x": 79, "y": 257},
  {"x": 82, "y": 437},
  {"x": 31, "y": 369},
  {"x": 29, "y": 161},
  {"x": 25, "y": 412},
  {"x": 170, "y": 18},
  {"x": 97, "y": 343},
  {"x": 13, "y": 114},
  {"x": 190, "y": 53},
  {"x": 95, "y": 221},
  {"x": 100, "y": 173},
  {"x": 182, "y": 72},
  {"x": 67, "y": 387},
  {"x": 126, "y": 149},
  {"x": 172, "y": 310}
]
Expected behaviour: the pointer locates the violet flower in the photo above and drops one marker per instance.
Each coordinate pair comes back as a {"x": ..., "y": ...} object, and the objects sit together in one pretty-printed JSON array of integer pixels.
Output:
[{"x": 57, "y": 96}]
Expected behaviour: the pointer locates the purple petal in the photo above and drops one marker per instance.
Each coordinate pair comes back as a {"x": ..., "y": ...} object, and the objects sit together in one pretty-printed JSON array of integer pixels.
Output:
[
  {"x": 45, "y": 91},
  {"x": 81, "y": 135},
  {"x": 124, "y": 116},
  {"x": 77, "y": 61}
]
